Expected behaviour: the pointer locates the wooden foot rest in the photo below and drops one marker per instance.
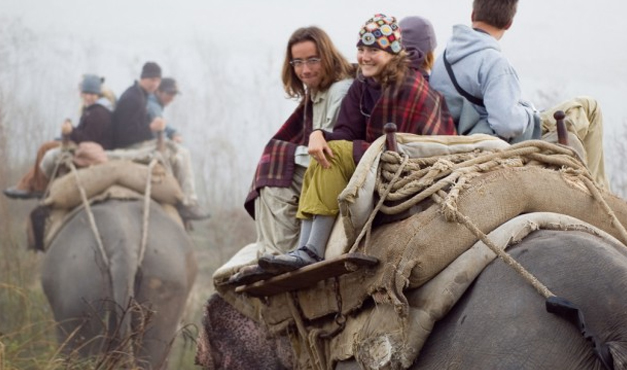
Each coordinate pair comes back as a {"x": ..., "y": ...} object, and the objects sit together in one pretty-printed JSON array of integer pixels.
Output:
[{"x": 308, "y": 275}]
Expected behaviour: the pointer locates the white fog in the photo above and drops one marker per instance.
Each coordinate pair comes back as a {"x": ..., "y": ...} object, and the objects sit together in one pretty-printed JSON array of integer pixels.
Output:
[{"x": 227, "y": 57}]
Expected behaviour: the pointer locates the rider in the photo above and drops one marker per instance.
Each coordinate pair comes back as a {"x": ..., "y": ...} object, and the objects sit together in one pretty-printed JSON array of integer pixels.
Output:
[
  {"x": 133, "y": 129},
  {"x": 483, "y": 91},
  {"x": 94, "y": 126},
  {"x": 317, "y": 74}
]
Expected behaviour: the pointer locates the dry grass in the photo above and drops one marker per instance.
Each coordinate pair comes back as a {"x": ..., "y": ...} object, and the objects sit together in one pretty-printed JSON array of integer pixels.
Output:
[{"x": 27, "y": 329}]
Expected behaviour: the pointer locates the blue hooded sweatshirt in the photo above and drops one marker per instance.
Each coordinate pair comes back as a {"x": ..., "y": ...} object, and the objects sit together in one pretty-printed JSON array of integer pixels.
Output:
[{"x": 482, "y": 71}]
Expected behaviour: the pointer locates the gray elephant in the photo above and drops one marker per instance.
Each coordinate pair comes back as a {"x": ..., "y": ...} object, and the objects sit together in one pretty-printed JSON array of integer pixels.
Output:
[
  {"x": 96, "y": 294},
  {"x": 501, "y": 321}
]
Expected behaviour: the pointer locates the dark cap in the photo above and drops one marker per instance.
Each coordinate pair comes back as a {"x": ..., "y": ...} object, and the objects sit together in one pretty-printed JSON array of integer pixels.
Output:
[
  {"x": 92, "y": 84},
  {"x": 168, "y": 85},
  {"x": 151, "y": 70}
]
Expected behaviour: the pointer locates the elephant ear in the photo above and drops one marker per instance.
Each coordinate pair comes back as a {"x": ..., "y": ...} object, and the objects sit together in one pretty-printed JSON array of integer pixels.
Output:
[
  {"x": 567, "y": 310},
  {"x": 619, "y": 354}
]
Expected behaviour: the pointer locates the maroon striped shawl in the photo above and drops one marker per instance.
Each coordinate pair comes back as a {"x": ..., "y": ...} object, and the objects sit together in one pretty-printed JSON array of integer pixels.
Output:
[
  {"x": 415, "y": 108},
  {"x": 276, "y": 166}
]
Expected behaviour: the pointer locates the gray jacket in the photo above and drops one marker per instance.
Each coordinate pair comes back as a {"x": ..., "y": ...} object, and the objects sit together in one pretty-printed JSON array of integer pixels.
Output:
[{"x": 481, "y": 70}]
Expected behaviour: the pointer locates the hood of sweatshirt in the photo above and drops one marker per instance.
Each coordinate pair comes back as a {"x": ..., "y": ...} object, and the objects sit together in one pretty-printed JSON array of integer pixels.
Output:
[{"x": 467, "y": 41}]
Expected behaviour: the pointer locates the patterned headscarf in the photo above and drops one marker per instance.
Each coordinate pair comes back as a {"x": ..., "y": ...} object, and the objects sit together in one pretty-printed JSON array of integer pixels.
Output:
[{"x": 381, "y": 32}]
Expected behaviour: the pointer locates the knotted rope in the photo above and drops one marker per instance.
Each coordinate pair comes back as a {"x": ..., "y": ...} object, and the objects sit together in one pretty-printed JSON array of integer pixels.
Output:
[{"x": 409, "y": 181}]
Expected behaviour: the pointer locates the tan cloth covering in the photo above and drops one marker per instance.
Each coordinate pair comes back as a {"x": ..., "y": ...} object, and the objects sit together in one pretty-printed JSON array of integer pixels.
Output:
[
  {"x": 584, "y": 118},
  {"x": 415, "y": 250}
]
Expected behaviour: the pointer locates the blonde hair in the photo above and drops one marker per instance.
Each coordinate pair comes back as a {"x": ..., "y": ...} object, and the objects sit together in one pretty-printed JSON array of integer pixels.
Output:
[
  {"x": 427, "y": 64},
  {"x": 334, "y": 66}
]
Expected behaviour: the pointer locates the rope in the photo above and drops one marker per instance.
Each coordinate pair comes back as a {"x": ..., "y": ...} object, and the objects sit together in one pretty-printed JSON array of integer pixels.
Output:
[
  {"x": 464, "y": 220},
  {"x": 426, "y": 176},
  {"x": 316, "y": 358},
  {"x": 599, "y": 198},
  {"x": 146, "y": 212},
  {"x": 368, "y": 226},
  {"x": 63, "y": 158},
  {"x": 90, "y": 215},
  {"x": 443, "y": 179}
]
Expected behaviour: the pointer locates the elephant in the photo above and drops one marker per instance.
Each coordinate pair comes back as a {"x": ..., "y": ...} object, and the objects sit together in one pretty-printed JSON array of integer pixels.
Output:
[
  {"x": 101, "y": 298},
  {"x": 501, "y": 321}
]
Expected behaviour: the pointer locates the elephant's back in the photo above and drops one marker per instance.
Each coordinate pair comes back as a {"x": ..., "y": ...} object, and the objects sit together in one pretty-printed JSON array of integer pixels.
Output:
[{"x": 501, "y": 321}]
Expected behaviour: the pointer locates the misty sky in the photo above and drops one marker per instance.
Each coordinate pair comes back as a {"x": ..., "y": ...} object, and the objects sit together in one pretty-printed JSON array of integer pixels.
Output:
[
  {"x": 556, "y": 40},
  {"x": 227, "y": 54}
]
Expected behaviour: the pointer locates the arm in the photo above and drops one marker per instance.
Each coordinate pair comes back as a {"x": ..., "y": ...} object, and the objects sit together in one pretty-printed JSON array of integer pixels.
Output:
[
  {"x": 95, "y": 126},
  {"x": 351, "y": 123},
  {"x": 508, "y": 115},
  {"x": 318, "y": 147},
  {"x": 332, "y": 105}
]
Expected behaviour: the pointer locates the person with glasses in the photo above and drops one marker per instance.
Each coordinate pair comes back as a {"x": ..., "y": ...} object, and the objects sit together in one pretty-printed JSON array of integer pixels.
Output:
[
  {"x": 386, "y": 90},
  {"x": 315, "y": 73}
]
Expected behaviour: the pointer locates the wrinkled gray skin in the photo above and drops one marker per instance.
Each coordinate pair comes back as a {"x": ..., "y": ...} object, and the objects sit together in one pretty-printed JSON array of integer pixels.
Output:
[
  {"x": 232, "y": 341},
  {"x": 501, "y": 321},
  {"x": 86, "y": 296}
]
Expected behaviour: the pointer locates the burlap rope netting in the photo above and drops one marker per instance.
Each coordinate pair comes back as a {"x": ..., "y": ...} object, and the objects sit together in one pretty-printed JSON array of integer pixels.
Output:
[{"x": 407, "y": 182}]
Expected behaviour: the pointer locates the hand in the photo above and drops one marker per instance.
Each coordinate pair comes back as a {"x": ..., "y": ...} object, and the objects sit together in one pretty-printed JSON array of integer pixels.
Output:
[
  {"x": 177, "y": 138},
  {"x": 319, "y": 149},
  {"x": 157, "y": 124},
  {"x": 66, "y": 127}
]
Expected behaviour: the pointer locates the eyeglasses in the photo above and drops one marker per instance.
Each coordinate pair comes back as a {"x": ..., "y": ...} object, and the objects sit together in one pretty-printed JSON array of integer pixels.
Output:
[{"x": 309, "y": 62}]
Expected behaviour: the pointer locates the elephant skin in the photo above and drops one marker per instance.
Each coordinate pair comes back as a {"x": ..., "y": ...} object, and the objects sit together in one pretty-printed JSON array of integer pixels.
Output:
[
  {"x": 230, "y": 340},
  {"x": 501, "y": 321},
  {"x": 91, "y": 302}
]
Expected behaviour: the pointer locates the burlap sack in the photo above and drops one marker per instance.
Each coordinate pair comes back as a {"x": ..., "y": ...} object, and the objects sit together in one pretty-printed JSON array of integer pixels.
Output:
[
  {"x": 60, "y": 216},
  {"x": 64, "y": 192},
  {"x": 356, "y": 201},
  {"x": 379, "y": 337}
]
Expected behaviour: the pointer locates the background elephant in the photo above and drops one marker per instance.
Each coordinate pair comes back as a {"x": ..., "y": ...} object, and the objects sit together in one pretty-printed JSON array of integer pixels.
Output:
[
  {"x": 90, "y": 302},
  {"x": 501, "y": 321}
]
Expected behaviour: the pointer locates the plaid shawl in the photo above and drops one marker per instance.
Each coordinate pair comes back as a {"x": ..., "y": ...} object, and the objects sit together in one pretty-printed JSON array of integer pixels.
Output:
[
  {"x": 276, "y": 166},
  {"x": 415, "y": 108}
]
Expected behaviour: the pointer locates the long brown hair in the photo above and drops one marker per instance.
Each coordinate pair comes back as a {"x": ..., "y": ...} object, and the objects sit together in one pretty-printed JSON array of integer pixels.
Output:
[{"x": 334, "y": 66}]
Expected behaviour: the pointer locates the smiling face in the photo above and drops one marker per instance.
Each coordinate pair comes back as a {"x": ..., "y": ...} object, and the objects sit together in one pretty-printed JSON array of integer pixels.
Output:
[
  {"x": 309, "y": 71},
  {"x": 372, "y": 60}
]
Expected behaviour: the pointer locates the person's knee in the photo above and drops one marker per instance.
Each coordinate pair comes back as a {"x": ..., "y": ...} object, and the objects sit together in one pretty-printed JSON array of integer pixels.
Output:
[
  {"x": 48, "y": 162},
  {"x": 588, "y": 103}
]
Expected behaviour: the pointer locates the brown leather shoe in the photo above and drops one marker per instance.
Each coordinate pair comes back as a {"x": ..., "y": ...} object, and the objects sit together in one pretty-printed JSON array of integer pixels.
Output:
[{"x": 192, "y": 212}]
